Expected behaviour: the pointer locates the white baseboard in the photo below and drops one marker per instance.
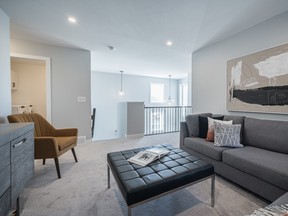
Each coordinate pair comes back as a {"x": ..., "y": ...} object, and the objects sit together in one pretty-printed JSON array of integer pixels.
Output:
[
  {"x": 81, "y": 139},
  {"x": 135, "y": 135}
]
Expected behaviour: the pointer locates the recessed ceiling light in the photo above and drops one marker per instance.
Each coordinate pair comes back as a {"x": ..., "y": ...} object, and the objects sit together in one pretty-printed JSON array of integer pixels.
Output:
[
  {"x": 72, "y": 19},
  {"x": 169, "y": 43},
  {"x": 110, "y": 47}
]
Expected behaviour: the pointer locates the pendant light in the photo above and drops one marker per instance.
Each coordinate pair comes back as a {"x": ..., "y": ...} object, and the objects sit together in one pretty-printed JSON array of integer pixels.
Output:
[{"x": 121, "y": 92}]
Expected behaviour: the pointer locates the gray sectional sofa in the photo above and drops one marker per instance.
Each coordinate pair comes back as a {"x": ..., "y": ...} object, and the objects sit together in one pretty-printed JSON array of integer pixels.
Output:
[{"x": 261, "y": 166}]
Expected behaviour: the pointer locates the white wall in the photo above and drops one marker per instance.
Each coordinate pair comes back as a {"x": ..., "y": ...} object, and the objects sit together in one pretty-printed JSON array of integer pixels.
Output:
[
  {"x": 105, "y": 97},
  {"x": 31, "y": 89},
  {"x": 184, "y": 80},
  {"x": 209, "y": 64},
  {"x": 181, "y": 82},
  {"x": 5, "y": 88},
  {"x": 70, "y": 78}
]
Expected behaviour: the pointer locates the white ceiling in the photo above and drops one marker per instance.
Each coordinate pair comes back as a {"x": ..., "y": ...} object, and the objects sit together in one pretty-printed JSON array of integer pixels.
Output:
[{"x": 138, "y": 29}]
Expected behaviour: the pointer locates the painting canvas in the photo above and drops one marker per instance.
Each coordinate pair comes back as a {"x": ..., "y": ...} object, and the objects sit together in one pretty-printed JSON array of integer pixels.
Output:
[{"x": 259, "y": 82}]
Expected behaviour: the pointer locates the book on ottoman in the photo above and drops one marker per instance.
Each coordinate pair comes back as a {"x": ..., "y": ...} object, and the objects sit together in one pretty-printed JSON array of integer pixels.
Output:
[{"x": 147, "y": 156}]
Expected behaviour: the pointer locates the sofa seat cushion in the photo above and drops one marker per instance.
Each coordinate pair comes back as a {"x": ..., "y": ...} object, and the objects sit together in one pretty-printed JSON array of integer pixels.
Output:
[
  {"x": 269, "y": 166},
  {"x": 204, "y": 147},
  {"x": 64, "y": 142}
]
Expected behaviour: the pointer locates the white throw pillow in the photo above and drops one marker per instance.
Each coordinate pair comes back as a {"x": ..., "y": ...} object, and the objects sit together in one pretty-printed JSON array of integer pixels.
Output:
[
  {"x": 210, "y": 132},
  {"x": 227, "y": 135}
]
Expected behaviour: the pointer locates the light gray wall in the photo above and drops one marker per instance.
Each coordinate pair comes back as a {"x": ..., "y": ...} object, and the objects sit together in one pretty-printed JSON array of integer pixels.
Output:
[
  {"x": 209, "y": 64},
  {"x": 5, "y": 79},
  {"x": 135, "y": 118},
  {"x": 184, "y": 80},
  {"x": 70, "y": 78},
  {"x": 105, "y": 97},
  {"x": 130, "y": 119},
  {"x": 121, "y": 121}
]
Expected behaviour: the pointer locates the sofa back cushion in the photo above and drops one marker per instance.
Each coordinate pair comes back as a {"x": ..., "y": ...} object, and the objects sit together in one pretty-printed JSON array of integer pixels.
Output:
[
  {"x": 41, "y": 126},
  {"x": 192, "y": 122},
  {"x": 266, "y": 134},
  {"x": 236, "y": 119}
]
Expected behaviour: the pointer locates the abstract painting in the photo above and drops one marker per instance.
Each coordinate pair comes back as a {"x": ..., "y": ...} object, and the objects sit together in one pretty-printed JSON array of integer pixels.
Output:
[{"x": 259, "y": 82}]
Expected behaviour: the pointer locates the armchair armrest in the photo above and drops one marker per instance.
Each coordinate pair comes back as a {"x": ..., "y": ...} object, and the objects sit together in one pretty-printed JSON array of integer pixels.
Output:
[
  {"x": 183, "y": 132},
  {"x": 45, "y": 147},
  {"x": 65, "y": 132}
]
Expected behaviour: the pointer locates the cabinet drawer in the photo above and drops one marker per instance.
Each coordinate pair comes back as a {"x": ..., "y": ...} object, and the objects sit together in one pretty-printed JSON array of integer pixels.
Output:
[
  {"x": 5, "y": 203},
  {"x": 22, "y": 163},
  {"x": 4, "y": 179},
  {"x": 22, "y": 150},
  {"x": 5, "y": 156},
  {"x": 4, "y": 167}
]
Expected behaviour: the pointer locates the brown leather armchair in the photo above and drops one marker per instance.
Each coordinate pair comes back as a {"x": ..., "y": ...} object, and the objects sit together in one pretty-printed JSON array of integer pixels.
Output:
[{"x": 49, "y": 142}]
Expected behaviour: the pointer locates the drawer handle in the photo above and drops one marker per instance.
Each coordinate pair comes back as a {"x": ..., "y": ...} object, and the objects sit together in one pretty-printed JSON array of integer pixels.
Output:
[{"x": 19, "y": 143}]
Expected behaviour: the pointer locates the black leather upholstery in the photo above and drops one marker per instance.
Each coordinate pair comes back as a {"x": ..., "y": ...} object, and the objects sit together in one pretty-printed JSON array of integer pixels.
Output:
[{"x": 139, "y": 183}]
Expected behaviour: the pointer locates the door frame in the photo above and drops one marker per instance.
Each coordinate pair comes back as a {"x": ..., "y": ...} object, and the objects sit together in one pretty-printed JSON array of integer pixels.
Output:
[{"x": 48, "y": 78}]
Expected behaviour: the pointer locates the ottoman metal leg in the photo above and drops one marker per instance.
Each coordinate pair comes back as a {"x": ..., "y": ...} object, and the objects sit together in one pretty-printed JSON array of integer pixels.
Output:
[
  {"x": 213, "y": 190},
  {"x": 129, "y": 210}
]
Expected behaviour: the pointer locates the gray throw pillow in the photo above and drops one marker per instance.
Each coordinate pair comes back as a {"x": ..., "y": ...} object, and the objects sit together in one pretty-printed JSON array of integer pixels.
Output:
[{"x": 227, "y": 135}]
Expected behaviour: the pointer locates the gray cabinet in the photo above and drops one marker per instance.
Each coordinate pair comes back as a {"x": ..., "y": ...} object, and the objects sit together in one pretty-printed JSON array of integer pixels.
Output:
[
  {"x": 4, "y": 178},
  {"x": 16, "y": 163}
]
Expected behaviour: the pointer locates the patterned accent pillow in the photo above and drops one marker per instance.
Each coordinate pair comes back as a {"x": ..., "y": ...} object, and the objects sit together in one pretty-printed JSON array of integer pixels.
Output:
[
  {"x": 210, "y": 132},
  {"x": 227, "y": 135}
]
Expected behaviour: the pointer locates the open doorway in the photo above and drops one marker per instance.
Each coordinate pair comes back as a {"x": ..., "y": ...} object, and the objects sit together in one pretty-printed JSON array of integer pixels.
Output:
[{"x": 31, "y": 84}]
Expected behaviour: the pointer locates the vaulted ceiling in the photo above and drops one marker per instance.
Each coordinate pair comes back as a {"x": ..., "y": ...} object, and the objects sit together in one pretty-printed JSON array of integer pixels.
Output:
[{"x": 137, "y": 29}]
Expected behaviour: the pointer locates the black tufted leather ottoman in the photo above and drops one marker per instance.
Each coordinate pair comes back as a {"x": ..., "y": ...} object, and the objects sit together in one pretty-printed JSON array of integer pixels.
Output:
[{"x": 172, "y": 172}]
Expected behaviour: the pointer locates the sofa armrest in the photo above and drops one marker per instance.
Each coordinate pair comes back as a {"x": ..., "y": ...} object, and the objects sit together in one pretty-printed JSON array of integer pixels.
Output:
[
  {"x": 45, "y": 147},
  {"x": 183, "y": 132}
]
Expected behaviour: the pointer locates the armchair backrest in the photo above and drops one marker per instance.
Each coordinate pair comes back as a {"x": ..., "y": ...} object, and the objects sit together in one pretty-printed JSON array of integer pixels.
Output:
[{"x": 41, "y": 126}]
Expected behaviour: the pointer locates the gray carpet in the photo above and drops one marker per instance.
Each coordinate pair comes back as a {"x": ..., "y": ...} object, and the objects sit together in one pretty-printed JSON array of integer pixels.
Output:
[{"x": 82, "y": 190}]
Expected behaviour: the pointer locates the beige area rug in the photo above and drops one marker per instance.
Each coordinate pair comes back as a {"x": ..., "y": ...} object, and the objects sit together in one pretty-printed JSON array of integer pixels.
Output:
[{"x": 82, "y": 190}]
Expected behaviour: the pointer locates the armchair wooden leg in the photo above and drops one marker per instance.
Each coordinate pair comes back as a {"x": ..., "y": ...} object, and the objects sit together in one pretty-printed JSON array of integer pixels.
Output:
[
  {"x": 44, "y": 161},
  {"x": 74, "y": 154},
  {"x": 57, "y": 167}
]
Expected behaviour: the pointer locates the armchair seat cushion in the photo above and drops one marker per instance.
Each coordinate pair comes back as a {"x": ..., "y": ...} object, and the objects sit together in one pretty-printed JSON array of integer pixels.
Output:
[{"x": 64, "y": 142}]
